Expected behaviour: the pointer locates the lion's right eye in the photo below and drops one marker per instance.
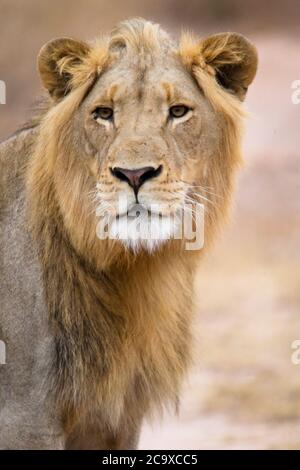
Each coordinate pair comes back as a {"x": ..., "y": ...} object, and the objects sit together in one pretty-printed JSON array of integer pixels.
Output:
[
  {"x": 178, "y": 111},
  {"x": 103, "y": 112}
]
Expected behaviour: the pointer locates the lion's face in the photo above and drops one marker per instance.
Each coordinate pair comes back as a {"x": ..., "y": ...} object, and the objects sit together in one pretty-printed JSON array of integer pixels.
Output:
[
  {"x": 147, "y": 140},
  {"x": 150, "y": 128}
]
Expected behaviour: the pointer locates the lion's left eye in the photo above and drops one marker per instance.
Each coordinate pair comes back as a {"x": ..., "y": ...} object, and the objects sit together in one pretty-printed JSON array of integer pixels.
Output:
[
  {"x": 103, "y": 113},
  {"x": 178, "y": 111}
]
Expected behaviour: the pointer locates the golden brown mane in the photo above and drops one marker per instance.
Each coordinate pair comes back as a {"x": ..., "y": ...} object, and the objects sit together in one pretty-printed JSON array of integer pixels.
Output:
[{"x": 107, "y": 305}]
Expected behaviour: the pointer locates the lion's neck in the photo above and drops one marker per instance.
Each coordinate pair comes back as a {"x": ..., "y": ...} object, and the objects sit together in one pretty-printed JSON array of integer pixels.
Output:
[{"x": 121, "y": 331}]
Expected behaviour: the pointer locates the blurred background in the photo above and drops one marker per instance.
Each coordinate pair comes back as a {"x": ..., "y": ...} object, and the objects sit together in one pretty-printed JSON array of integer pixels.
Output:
[{"x": 243, "y": 391}]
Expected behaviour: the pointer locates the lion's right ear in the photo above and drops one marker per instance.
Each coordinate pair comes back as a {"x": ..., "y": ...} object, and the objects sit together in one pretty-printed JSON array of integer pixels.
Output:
[{"x": 57, "y": 61}]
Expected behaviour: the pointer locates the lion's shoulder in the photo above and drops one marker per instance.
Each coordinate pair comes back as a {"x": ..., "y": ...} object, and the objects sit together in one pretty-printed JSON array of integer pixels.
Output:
[
  {"x": 15, "y": 147},
  {"x": 15, "y": 152}
]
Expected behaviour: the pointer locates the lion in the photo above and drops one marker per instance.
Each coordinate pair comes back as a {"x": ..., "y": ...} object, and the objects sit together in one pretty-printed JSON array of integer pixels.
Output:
[{"x": 98, "y": 330}]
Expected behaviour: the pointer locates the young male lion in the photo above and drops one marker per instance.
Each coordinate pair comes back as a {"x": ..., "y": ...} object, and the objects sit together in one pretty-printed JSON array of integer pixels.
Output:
[{"x": 97, "y": 330}]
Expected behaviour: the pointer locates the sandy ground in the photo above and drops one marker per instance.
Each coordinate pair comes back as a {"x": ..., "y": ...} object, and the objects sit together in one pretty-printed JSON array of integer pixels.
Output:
[{"x": 243, "y": 391}]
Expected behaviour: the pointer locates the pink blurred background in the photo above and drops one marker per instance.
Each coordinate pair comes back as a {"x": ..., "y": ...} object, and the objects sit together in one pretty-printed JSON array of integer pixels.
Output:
[{"x": 243, "y": 390}]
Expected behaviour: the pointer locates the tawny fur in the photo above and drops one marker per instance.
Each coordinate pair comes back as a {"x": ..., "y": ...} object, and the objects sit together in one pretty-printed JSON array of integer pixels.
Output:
[{"x": 121, "y": 320}]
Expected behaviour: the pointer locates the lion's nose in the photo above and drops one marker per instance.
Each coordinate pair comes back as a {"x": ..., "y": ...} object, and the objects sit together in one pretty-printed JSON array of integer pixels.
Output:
[{"x": 135, "y": 178}]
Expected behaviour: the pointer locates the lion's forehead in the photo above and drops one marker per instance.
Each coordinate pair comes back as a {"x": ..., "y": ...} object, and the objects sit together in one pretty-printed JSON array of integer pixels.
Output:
[{"x": 159, "y": 80}]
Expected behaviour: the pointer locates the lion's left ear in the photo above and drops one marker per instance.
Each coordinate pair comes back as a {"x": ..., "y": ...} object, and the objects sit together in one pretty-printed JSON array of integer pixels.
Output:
[
  {"x": 234, "y": 59},
  {"x": 57, "y": 61},
  {"x": 230, "y": 56}
]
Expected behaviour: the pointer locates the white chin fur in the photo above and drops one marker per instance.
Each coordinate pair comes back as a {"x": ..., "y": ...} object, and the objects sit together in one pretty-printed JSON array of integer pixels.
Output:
[{"x": 146, "y": 231}]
